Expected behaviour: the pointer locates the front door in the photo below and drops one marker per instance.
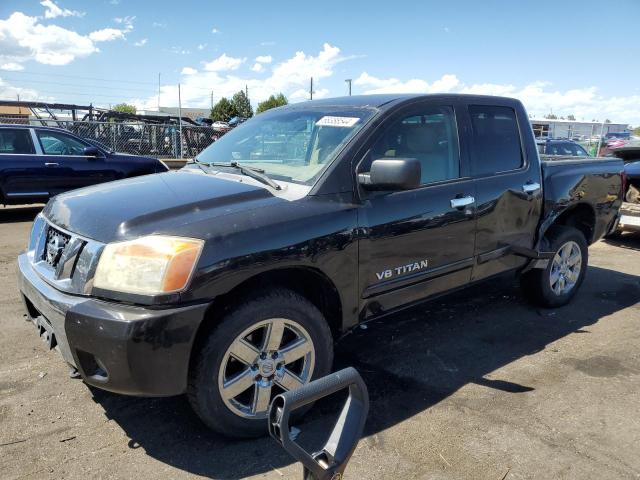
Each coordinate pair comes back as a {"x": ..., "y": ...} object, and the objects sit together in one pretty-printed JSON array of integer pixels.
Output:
[
  {"x": 70, "y": 168},
  {"x": 420, "y": 242}
]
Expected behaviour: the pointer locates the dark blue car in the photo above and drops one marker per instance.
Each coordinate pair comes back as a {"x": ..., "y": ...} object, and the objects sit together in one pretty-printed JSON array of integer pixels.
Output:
[{"x": 37, "y": 163}]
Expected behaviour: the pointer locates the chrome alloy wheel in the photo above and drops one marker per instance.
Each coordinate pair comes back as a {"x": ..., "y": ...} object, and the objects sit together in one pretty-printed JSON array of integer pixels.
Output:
[
  {"x": 565, "y": 268},
  {"x": 270, "y": 357}
]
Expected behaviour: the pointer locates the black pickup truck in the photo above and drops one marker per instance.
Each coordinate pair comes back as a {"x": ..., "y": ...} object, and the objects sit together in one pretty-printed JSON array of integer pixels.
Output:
[{"x": 230, "y": 280}]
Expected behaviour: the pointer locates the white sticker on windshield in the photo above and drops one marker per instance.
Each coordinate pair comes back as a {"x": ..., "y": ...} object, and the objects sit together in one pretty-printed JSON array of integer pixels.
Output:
[{"x": 337, "y": 121}]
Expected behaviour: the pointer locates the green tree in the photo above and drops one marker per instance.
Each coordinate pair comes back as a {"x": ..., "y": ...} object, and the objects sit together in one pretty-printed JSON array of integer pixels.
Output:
[
  {"x": 272, "y": 102},
  {"x": 571, "y": 117},
  {"x": 242, "y": 104},
  {"x": 223, "y": 111},
  {"x": 551, "y": 116},
  {"x": 636, "y": 131},
  {"x": 124, "y": 108},
  {"x": 607, "y": 121}
]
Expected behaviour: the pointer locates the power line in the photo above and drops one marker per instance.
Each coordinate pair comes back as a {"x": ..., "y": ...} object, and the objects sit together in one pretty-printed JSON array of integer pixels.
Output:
[
  {"x": 128, "y": 89},
  {"x": 84, "y": 78}
]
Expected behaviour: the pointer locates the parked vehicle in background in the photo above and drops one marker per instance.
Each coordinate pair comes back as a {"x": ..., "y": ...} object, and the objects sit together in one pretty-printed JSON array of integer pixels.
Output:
[
  {"x": 37, "y": 163},
  {"x": 230, "y": 279},
  {"x": 204, "y": 121},
  {"x": 235, "y": 121},
  {"x": 221, "y": 127},
  {"x": 630, "y": 210},
  {"x": 564, "y": 147}
]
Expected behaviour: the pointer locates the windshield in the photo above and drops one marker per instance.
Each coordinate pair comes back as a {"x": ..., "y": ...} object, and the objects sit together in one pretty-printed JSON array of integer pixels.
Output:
[{"x": 293, "y": 145}]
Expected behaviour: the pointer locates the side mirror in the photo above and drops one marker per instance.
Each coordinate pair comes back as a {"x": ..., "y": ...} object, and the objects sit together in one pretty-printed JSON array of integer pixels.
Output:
[
  {"x": 392, "y": 174},
  {"x": 92, "y": 152}
]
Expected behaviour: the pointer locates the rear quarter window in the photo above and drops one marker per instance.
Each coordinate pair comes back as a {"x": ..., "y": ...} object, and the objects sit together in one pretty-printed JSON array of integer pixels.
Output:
[{"x": 496, "y": 143}]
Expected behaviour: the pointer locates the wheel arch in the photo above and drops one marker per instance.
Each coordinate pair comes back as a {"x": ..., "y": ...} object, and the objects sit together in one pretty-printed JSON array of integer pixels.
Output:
[
  {"x": 581, "y": 216},
  {"x": 309, "y": 282}
]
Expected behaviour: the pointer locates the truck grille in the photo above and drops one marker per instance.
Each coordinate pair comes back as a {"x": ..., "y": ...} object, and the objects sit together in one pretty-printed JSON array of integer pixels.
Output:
[
  {"x": 56, "y": 242},
  {"x": 63, "y": 259}
]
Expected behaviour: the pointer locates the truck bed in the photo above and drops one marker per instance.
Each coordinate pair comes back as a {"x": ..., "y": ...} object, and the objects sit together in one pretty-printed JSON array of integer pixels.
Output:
[{"x": 576, "y": 181}]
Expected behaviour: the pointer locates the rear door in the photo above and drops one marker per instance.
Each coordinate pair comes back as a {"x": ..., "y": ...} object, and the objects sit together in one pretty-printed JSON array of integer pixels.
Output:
[
  {"x": 508, "y": 186},
  {"x": 23, "y": 175},
  {"x": 70, "y": 167},
  {"x": 417, "y": 243}
]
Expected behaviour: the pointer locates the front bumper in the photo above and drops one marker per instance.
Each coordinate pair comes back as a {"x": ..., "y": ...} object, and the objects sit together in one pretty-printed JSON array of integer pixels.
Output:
[{"x": 121, "y": 348}]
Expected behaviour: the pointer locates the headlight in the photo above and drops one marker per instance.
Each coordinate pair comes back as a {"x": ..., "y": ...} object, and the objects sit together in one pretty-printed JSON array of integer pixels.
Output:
[{"x": 150, "y": 265}]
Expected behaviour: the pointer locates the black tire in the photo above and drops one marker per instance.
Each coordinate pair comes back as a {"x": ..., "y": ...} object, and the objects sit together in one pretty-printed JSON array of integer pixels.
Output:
[
  {"x": 203, "y": 391},
  {"x": 536, "y": 285}
]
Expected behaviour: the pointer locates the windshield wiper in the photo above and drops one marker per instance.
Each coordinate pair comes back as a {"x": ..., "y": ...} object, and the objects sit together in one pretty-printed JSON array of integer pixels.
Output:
[{"x": 256, "y": 173}]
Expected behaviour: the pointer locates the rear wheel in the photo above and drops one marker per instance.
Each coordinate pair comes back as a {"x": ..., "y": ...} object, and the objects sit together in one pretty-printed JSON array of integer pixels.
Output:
[
  {"x": 273, "y": 343},
  {"x": 556, "y": 284}
]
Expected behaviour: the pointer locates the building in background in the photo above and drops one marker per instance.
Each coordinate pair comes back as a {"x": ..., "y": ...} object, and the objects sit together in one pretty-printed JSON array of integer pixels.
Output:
[
  {"x": 547, "y": 128},
  {"x": 191, "y": 113},
  {"x": 15, "y": 114}
]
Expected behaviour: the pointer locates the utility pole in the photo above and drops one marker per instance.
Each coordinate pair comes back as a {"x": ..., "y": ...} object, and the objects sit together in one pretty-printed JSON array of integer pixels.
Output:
[
  {"x": 158, "y": 92},
  {"x": 211, "y": 99},
  {"x": 311, "y": 89},
  {"x": 348, "y": 80},
  {"x": 246, "y": 90},
  {"x": 180, "y": 118}
]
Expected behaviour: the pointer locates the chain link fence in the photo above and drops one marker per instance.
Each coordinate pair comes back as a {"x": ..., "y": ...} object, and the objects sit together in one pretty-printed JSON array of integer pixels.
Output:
[{"x": 156, "y": 140}]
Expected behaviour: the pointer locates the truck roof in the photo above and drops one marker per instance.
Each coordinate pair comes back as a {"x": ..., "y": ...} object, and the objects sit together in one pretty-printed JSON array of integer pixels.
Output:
[{"x": 381, "y": 100}]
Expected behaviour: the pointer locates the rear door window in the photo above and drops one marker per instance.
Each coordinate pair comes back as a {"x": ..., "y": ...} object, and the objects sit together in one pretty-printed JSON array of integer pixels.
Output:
[
  {"x": 495, "y": 140},
  {"x": 16, "y": 141}
]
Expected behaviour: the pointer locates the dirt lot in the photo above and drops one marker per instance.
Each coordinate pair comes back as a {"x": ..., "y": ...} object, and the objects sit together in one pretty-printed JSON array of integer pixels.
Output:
[{"x": 478, "y": 385}]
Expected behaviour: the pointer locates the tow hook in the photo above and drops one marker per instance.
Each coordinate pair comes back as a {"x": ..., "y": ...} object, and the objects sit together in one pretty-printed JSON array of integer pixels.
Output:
[{"x": 330, "y": 462}]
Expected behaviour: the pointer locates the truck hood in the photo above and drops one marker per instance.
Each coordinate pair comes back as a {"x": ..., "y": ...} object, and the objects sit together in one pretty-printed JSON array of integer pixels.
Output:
[{"x": 166, "y": 203}]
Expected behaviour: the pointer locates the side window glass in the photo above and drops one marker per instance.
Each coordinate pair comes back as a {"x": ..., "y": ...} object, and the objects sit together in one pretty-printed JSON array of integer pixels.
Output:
[
  {"x": 430, "y": 136},
  {"x": 495, "y": 140},
  {"x": 16, "y": 141},
  {"x": 54, "y": 143}
]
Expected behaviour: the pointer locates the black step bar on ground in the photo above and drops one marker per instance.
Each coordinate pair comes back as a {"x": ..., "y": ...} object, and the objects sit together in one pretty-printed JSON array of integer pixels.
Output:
[{"x": 329, "y": 462}]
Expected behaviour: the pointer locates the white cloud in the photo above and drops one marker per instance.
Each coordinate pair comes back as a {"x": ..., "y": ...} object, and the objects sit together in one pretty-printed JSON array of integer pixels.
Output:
[
  {"x": 22, "y": 38},
  {"x": 159, "y": 25},
  {"x": 189, "y": 71},
  {"x": 586, "y": 103},
  {"x": 373, "y": 84},
  {"x": 52, "y": 10},
  {"x": 291, "y": 77},
  {"x": 257, "y": 67},
  {"x": 10, "y": 92},
  {"x": 106, "y": 35},
  {"x": 141, "y": 43},
  {"x": 126, "y": 21},
  {"x": 223, "y": 63},
  {"x": 267, "y": 44},
  {"x": 179, "y": 50},
  {"x": 214, "y": 30},
  {"x": 202, "y": 46},
  {"x": 264, "y": 59},
  {"x": 11, "y": 67}
]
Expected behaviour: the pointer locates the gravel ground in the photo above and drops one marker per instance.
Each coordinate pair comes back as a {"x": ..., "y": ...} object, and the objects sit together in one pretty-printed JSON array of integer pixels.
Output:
[{"x": 476, "y": 385}]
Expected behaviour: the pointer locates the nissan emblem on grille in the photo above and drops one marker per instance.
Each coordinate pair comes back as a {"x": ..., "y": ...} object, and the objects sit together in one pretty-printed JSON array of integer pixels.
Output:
[{"x": 56, "y": 242}]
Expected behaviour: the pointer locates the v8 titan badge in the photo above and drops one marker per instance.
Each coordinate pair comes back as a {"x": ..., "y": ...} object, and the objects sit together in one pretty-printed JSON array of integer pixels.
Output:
[{"x": 402, "y": 269}]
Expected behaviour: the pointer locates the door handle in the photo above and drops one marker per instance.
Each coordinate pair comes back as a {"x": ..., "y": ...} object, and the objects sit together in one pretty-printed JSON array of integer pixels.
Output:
[
  {"x": 462, "y": 202},
  {"x": 530, "y": 188},
  {"x": 51, "y": 164}
]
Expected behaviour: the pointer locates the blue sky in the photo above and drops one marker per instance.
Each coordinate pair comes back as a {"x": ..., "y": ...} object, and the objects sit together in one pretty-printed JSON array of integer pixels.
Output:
[{"x": 575, "y": 57}]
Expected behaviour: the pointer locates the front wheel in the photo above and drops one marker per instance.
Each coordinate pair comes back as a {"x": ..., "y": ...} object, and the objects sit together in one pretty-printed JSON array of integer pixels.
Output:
[
  {"x": 556, "y": 284},
  {"x": 275, "y": 342}
]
